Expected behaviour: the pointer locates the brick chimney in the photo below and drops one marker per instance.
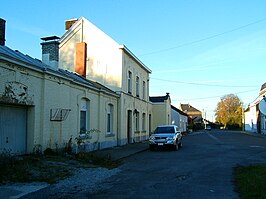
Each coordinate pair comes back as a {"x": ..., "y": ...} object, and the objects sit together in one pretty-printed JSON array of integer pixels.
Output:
[
  {"x": 69, "y": 23},
  {"x": 2, "y": 32},
  {"x": 50, "y": 51}
]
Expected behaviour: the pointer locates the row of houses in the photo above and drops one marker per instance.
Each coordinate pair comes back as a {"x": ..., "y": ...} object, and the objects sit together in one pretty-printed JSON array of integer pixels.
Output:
[
  {"x": 254, "y": 117},
  {"x": 87, "y": 92}
]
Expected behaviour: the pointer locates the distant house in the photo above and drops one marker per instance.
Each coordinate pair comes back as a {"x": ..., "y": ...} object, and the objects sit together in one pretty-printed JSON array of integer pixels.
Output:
[
  {"x": 254, "y": 119},
  {"x": 195, "y": 116},
  {"x": 179, "y": 118},
  {"x": 161, "y": 110}
]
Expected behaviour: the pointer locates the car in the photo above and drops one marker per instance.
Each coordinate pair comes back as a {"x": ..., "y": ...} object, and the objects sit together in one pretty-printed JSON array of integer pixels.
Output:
[
  {"x": 166, "y": 136},
  {"x": 208, "y": 128}
]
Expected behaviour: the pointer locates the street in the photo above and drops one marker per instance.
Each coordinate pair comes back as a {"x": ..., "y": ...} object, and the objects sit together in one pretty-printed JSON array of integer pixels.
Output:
[{"x": 203, "y": 168}]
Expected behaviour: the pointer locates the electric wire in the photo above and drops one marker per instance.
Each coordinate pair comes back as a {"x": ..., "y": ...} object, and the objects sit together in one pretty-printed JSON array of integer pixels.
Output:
[
  {"x": 210, "y": 97},
  {"x": 200, "y": 84},
  {"x": 204, "y": 39}
]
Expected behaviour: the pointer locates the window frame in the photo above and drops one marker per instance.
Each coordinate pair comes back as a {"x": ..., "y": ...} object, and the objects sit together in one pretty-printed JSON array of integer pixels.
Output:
[
  {"x": 110, "y": 119},
  {"x": 129, "y": 82},
  {"x": 137, "y": 86}
]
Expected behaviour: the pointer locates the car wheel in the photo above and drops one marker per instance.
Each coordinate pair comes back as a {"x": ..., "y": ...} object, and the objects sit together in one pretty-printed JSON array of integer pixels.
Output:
[
  {"x": 151, "y": 148},
  {"x": 176, "y": 147}
]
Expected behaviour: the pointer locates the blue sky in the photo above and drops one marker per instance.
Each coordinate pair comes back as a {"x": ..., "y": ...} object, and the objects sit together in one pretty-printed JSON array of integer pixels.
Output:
[{"x": 198, "y": 50}]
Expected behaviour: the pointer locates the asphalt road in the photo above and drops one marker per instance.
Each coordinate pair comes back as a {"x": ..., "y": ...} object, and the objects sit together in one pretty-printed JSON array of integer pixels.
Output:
[{"x": 203, "y": 168}]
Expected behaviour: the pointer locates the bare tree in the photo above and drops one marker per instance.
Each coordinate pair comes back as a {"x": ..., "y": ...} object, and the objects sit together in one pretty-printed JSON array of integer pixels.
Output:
[{"x": 229, "y": 111}]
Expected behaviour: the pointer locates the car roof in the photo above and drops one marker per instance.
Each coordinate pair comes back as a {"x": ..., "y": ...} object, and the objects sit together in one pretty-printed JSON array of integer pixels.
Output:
[{"x": 167, "y": 126}]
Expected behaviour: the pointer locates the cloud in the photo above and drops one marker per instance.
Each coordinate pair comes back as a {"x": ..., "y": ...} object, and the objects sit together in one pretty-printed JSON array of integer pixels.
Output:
[{"x": 29, "y": 29}]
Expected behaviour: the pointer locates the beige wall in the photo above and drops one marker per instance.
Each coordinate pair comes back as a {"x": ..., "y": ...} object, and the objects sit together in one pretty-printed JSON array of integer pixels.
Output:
[
  {"x": 46, "y": 91},
  {"x": 132, "y": 102},
  {"x": 161, "y": 114},
  {"x": 109, "y": 64}
]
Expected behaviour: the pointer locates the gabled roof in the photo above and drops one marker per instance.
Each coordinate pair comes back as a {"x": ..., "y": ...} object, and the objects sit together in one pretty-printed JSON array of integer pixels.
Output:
[
  {"x": 159, "y": 98},
  {"x": 83, "y": 20},
  {"x": 179, "y": 111},
  {"x": 263, "y": 86},
  {"x": 26, "y": 61},
  {"x": 188, "y": 108},
  {"x": 18, "y": 56}
]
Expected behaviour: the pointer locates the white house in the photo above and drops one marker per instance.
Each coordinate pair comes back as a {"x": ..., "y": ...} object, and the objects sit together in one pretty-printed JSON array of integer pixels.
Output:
[
  {"x": 254, "y": 119},
  {"x": 87, "y": 50},
  {"x": 179, "y": 118}
]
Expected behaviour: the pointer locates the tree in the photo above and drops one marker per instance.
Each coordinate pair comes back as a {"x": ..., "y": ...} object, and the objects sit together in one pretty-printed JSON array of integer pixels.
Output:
[{"x": 229, "y": 111}]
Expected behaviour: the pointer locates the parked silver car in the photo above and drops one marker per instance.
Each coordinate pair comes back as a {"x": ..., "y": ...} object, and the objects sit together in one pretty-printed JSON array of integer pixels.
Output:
[{"x": 166, "y": 135}]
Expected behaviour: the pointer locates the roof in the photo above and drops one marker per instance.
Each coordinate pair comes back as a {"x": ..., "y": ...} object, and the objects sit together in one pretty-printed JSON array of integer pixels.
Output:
[
  {"x": 188, "y": 108},
  {"x": 179, "y": 111},
  {"x": 263, "y": 86},
  {"x": 37, "y": 65},
  {"x": 123, "y": 47},
  {"x": 159, "y": 98}
]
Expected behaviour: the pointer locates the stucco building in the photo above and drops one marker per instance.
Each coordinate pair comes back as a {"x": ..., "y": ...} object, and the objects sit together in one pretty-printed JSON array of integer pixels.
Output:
[
  {"x": 42, "y": 106},
  {"x": 254, "y": 119},
  {"x": 87, "y": 50}
]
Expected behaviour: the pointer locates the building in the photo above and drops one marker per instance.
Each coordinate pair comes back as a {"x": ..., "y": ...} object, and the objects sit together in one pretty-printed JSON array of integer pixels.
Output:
[
  {"x": 42, "y": 106},
  {"x": 195, "y": 119},
  {"x": 87, "y": 50},
  {"x": 161, "y": 110},
  {"x": 254, "y": 119},
  {"x": 179, "y": 118}
]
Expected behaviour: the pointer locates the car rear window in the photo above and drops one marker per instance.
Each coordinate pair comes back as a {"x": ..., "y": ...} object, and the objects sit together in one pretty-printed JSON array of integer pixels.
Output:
[{"x": 164, "y": 130}]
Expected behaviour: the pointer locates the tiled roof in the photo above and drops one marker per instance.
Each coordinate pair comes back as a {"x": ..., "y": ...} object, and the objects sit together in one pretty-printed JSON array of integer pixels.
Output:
[
  {"x": 188, "y": 108},
  {"x": 159, "y": 98},
  {"x": 179, "y": 111},
  {"x": 263, "y": 86}
]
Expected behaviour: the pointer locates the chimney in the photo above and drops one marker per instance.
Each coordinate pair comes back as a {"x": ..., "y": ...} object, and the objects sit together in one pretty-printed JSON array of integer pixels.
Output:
[
  {"x": 81, "y": 56},
  {"x": 2, "y": 31},
  {"x": 50, "y": 51},
  {"x": 69, "y": 23}
]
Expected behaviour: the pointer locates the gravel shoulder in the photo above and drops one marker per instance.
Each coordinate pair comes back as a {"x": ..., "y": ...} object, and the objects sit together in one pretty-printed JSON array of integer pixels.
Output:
[{"x": 83, "y": 181}]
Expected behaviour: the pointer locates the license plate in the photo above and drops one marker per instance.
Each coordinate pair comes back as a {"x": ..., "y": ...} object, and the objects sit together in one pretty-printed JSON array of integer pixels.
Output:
[{"x": 160, "y": 144}]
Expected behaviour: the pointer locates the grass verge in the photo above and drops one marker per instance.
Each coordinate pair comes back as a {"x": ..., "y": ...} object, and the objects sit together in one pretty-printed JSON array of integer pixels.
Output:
[
  {"x": 251, "y": 181},
  {"x": 47, "y": 168}
]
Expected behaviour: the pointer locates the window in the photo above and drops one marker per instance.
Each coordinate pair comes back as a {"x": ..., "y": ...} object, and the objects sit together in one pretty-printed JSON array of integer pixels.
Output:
[
  {"x": 143, "y": 90},
  {"x": 137, "y": 86},
  {"x": 84, "y": 110},
  {"x": 143, "y": 122},
  {"x": 129, "y": 82},
  {"x": 110, "y": 118},
  {"x": 137, "y": 121}
]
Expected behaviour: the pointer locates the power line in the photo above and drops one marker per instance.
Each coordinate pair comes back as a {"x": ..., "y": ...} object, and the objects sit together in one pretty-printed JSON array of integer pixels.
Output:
[
  {"x": 210, "y": 97},
  {"x": 199, "y": 84},
  {"x": 206, "y": 38}
]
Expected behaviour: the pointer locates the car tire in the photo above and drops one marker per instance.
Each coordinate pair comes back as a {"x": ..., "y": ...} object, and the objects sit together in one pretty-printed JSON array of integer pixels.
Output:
[
  {"x": 176, "y": 147},
  {"x": 151, "y": 148}
]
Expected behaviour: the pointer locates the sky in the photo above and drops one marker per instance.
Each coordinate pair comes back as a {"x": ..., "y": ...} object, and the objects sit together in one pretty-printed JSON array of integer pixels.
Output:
[{"x": 198, "y": 50}]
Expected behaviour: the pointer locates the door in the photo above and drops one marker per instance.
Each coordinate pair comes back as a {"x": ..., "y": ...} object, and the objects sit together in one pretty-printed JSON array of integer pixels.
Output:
[
  {"x": 13, "y": 129},
  {"x": 129, "y": 126}
]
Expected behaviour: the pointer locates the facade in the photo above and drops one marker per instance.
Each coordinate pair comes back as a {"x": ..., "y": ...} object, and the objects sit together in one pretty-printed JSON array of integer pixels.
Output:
[
  {"x": 161, "y": 111},
  {"x": 42, "y": 107},
  {"x": 254, "y": 119},
  {"x": 195, "y": 119},
  {"x": 179, "y": 118},
  {"x": 87, "y": 50}
]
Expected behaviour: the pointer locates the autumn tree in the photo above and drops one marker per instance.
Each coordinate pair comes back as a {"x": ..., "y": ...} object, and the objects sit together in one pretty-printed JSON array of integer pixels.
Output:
[{"x": 229, "y": 111}]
